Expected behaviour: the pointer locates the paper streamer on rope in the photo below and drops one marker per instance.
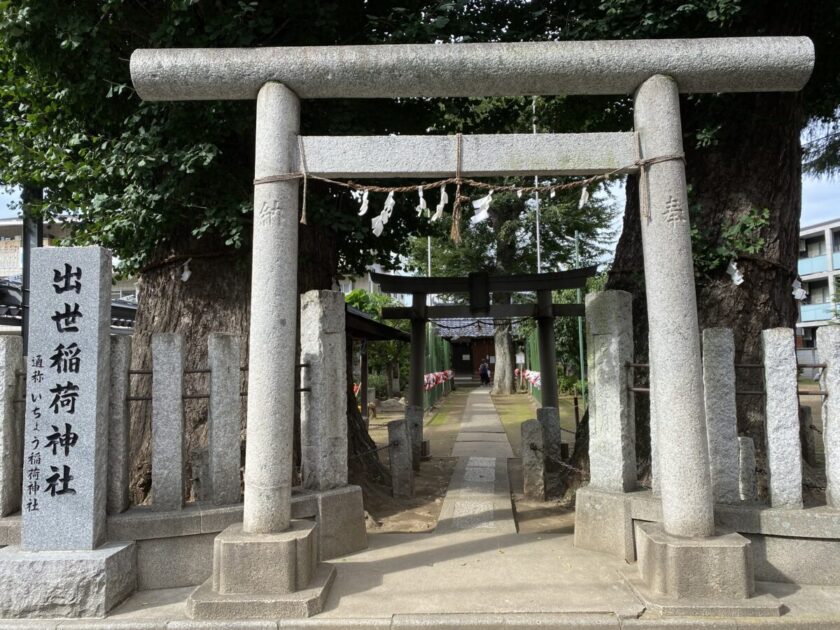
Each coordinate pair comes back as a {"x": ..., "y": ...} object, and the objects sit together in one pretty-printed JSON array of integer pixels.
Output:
[
  {"x": 735, "y": 273},
  {"x": 584, "y": 197},
  {"x": 798, "y": 292},
  {"x": 482, "y": 209},
  {"x": 444, "y": 199},
  {"x": 379, "y": 221},
  {"x": 362, "y": 198},
  {"x": 433, "y": 379},
  {"x": 533, "y": 378},
  {"x": 421, "y": 206}
]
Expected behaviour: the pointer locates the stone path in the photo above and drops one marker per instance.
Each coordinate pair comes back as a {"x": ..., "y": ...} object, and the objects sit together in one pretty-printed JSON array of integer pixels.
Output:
[{"x": 478, "y": 498}]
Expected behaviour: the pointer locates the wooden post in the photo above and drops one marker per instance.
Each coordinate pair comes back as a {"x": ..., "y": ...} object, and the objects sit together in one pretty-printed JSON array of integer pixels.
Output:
[{"x": 548, "y": 354}]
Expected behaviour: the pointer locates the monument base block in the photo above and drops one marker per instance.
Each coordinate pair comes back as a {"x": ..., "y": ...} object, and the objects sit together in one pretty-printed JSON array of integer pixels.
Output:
[
  {"x": 261, "y": 576},
  {"x": 696, "y": 576},
  {"x": 49, "y": 584}
]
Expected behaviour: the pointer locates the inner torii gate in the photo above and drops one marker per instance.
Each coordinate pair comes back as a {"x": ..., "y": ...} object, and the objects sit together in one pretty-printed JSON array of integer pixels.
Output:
[
  {"x": 480, "y": 286},
  {"x": 654, "y": 71}
]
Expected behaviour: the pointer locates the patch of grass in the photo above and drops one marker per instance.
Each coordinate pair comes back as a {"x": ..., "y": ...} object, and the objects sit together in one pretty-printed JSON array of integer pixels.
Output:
[{"x": 441, "y": 417}]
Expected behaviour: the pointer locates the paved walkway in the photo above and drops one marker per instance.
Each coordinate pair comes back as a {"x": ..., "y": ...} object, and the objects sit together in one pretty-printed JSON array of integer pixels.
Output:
[{"x": 475, "y": 571}]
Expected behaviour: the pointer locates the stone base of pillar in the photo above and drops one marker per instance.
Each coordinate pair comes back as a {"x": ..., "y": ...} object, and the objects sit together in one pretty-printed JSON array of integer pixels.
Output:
[
  {"x": 49, "y": 584},
  {"x": 264, "y": 576},
  {"x": 678, "y": 576}
]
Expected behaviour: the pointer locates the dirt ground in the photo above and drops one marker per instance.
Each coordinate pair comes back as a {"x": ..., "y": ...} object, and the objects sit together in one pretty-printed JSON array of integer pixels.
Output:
[{"x": 419, "y": 514}]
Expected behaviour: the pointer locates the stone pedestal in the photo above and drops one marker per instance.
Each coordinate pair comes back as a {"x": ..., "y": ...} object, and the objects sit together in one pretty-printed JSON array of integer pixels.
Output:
[
  {"x": 712, "y": 576},
  {"x": 262, "y": 576},
  {"x": 49, "y": 584}
]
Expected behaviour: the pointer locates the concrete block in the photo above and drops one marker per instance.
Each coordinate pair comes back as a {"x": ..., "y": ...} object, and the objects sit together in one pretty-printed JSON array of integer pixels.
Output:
[
  {"x": 167, "y": 421},
  {"x": 324, "y": 406},
  {"x": 66, "y": 458},
  {"x": 612, "y": 433},
  {"x": 414, "y": 418},
  {"x": 46, "y": 584},
  {"x": 796, "y": 560},
  {"x": 603, "y": 523},
  {"x": 828, "y": 347},
  {"x": 12, "y": 387},
  {"x": 223, "y": 419},
  {"x": 533, "y": 460},
  {"x": 341, "y": 522},
  {"x": 781, "y": 408},
  {"x": 684, "y": 568},
  {"x": 400, "y": 459},
  {"x": 721, "y": 417},
  {"x": 277, "y": 564},
  {"x": 747, "y": 487},
  {"x": 119, "y": 458},
  {"x": 143, "y": 522},
  {"x": 174, "y": 562}
]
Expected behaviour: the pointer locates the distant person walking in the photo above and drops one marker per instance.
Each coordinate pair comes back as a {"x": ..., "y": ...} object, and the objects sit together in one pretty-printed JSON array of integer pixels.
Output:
[{"x": 484, "y": 373}]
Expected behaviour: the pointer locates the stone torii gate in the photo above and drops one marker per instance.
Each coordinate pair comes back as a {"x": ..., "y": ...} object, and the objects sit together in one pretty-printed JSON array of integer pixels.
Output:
[{"x": 252, "y": 566}]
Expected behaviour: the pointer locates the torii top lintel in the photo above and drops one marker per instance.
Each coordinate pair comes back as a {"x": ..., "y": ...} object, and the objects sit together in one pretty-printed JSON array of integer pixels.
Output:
[{"x": 738, "y": 64}]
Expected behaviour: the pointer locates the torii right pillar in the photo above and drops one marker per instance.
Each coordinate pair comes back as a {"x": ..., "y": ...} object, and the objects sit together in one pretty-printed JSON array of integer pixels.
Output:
[{"x": 683, "y": 566}]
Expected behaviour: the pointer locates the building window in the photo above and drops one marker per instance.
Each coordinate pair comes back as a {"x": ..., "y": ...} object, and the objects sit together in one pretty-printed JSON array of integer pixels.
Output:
[
  {"x": 815, "y": 247},
  {"x": 818, "y": 292}
]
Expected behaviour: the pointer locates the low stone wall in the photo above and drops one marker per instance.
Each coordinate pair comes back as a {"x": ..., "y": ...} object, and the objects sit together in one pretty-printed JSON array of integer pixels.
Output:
[
  {"x": 793, "y": 546},
  {"x": 175, "y": 548}
]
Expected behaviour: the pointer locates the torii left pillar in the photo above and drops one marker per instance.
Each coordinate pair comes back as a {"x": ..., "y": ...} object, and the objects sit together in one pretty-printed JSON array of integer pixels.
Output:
[
  {"x": 267, "y": 567},
  {"x": 417, "y": 368}
]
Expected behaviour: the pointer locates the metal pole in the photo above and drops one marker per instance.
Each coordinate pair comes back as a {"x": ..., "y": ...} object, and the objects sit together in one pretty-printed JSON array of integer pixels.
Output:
[
  {"x": 536, "y": 183},
  {"x": 32, "y": 237},
  {"x": 548, "y": 355},
  {"x": 582, "y": 355}
]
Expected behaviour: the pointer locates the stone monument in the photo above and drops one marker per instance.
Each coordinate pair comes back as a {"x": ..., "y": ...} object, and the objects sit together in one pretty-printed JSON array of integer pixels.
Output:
[{"x": 65, "y": 447}]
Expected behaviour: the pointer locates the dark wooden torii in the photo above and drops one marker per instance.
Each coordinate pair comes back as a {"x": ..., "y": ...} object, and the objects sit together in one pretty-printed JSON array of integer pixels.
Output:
[{"x": 479, "y": 286}]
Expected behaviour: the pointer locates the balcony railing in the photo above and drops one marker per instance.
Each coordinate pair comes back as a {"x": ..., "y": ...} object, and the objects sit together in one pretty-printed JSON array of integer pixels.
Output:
[
  {"x": 817, "y": 312},
  {"x": 816, "y": 264}
]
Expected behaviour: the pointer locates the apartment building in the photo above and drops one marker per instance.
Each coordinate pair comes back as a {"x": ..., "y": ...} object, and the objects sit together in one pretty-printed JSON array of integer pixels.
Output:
[{"x": 819, "y": 265}]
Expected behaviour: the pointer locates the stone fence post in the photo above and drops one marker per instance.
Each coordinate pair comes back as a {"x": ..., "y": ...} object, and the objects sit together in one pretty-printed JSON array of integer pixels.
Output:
[
  {"x": 323, "y": 409},
  {"x": 781, "y": 413},
  {"x": 400, "y": 458},
  {"x": 223, "y": 419},
  {"x": 167, "y": 421},
  {"x": 828, "y": 346},
  {"x": 612, "y": 429},
  {"x": 118, "y": 426},
  {"x": 721, "y": 419},
  {"x": 11, "y": 430}
]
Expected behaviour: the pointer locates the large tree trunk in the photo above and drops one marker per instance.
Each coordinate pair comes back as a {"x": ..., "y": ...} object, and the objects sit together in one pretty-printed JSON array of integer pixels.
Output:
[
  {"x": 754, "y": 165},
  {"x": 503, "y": 369},
  {"x": 215, "y": 298}
]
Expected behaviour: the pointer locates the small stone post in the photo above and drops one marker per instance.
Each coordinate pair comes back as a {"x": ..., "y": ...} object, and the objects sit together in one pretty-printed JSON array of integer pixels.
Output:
[
  {"x": 676, "y": 372},
  {"x": 119, "y": 457},
  {"x": 781, "y": 414},
  {"x": 828, "y": 347},
  {"x": 533, "y": 460},
  {"x": 11, "y": 429},
  {"x": 746, "y": 469},
  {"x": 274, "y": 311},
  {"x": 721, "y": 419},
  {"x": 223, "y": 419},
  {"x": 612, "y": 428},
  {"x": 400, "y": 459},
  {"x": 323, "y": 411},
  {"x": 167, "y": 421}
]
